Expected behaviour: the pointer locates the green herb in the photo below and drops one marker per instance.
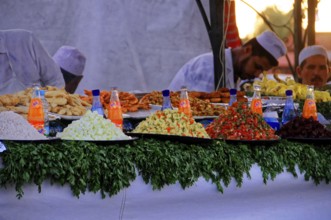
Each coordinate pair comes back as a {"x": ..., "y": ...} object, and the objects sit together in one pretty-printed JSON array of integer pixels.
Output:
[{"x": 108, "y": 169}]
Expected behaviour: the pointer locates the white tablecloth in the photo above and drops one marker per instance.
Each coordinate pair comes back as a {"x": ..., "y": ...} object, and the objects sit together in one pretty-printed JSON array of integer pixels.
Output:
[{"x": 284, "y": 198}]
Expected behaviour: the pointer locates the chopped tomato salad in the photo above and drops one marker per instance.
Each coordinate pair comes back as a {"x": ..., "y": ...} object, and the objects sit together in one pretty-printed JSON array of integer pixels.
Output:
[{"x": 239, "y": 123}]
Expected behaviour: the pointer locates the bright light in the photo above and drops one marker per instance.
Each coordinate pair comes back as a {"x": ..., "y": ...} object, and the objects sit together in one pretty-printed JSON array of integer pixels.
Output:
[
  {"x": 323, "y": 16},
  {"x": 246, "y": 17}
]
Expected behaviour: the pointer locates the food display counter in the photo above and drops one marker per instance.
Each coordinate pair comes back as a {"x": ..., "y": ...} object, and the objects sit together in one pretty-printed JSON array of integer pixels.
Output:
[
  {"x": 166, "y": 166},
  {"x": 157, "y": 179}
]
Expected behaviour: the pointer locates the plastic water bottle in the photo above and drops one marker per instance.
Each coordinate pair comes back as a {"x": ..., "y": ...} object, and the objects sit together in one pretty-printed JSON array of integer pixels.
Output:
[
  {"x": 45, "y": 107},
  {"x": 289, "y": 111},
  {"x": 233, "y": 96},
  {"x": 309, "y": 108},
  {"x": 36, "y": 111},
  {"x": 115, "y": 109},
  {"x": 2, "y": 147},
  {"x": 96, "y": 104},
  {"x": 184, "y": 104},
  {"x": 166, "y": 100}
]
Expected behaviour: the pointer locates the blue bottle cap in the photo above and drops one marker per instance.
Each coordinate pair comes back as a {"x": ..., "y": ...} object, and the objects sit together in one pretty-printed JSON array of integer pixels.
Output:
[
  {"x": 288, "y": 92},
  {"x": 96, "y": 92},
  {"x": 166, "y": 92},
  {"x": 41, "y": 92},
  {"x": 233, "y": 92},
  {"x": 37, "y": 93}
]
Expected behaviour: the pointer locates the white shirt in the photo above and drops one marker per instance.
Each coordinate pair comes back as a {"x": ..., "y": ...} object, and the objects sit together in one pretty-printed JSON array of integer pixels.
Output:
[
  {"x": 198, "y": 73},
  {"x": 24, "y": 61}
]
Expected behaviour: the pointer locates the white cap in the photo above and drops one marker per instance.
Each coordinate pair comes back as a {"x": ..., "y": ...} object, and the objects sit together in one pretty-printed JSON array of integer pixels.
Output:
[
  {"x": 70, "y": 59},
  {"x": 271, "y": 43},
  {"x": 312, "y": 51}
]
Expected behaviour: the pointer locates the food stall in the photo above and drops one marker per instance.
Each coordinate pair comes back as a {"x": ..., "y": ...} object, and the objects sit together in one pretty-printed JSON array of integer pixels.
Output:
[{"x": 151, "y": 176}]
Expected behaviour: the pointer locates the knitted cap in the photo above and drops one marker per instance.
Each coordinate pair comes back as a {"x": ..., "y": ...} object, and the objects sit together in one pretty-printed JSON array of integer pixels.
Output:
[
  {"x": 70, "y": 59},
  {"x": 312, "y": 51},
  {"x": 271, "y": 43}
]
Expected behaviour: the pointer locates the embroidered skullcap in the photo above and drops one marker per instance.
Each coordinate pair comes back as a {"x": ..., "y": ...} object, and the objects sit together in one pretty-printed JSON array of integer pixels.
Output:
[
  {"x": 70, "y": 59},
  {"x": 312, "y": 51},
  {"x": 271, "y": 43}
]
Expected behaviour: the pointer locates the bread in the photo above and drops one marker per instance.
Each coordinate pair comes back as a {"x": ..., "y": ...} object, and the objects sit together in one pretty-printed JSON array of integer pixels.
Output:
[
  {"x": 214, "y": 100},
  {"x": 9, "y": 100},
  {"x": 195, "y": 94},
  {"x": 241, "y": 93},
  {"x": 205, "y": 95},
  {"x": 225, "y": 100},
  {"x": 225, "y": 95},
  {"x": 224, "y": 90},
  {"x": 216, "y": 94},
  {"x": 242, "y": 99}
]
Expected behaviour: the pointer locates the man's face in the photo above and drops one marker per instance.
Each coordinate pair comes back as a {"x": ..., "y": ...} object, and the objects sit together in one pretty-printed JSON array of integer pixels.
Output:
[
  {"x": 72, "y": 85},
  {"x": 315, "y": 71},
  {"x": 251, "y": 67}
]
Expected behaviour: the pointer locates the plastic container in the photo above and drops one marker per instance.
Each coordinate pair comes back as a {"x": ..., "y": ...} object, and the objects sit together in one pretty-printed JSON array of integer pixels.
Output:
[
  {"x": 270, "y": 115},
  {"x": 272, "y": 122},
  {"x": 233, "y": 96},
  {"x": 115, "y": 109},
  {"x": 289, "y": 111},
  {"x": 166, "y": 100},
  {"x": 36, "y": 111},
  {"x": 184, "y": 104},
  {"x": 46, "y": 109},
  {"x": 256, "y": 104},
  {"x": 96, "y": 103},
  {"x": 309, "y": 107}
]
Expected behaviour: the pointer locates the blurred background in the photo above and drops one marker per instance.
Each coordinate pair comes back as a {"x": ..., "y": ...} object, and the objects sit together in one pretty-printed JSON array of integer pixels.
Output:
[
  {"x": 252, "y": 15},
  {"x": 140, "y": 45}
]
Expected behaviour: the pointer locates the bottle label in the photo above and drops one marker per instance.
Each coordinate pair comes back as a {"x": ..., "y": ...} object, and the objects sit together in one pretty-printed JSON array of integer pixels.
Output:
[
  {"x": 310, "y": 103},
  {"x": 309, "y": 109},
  {"x": 115, "y": 113},
  {"x": 183, "y": 103},
  {"x": 36, "y": 114},
  {"x": 114, "y": 104},
  {"x": 257, "y": 105},
  {"x": 184, "y": 106},
  {"x": 36, "y": 103}
]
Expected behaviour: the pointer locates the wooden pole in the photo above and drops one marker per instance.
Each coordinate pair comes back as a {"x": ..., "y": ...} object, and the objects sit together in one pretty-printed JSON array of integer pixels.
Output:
[
  {"x": 215, "y": 31},
  {"x": 298, "y": 42},
  {"x": 312, "y": 4},
  {"x": 216, "y": 37}
]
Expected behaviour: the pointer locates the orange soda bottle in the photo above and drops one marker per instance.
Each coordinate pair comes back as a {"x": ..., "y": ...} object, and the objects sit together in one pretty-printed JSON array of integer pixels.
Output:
[
  {"x": 184, "y": 103},
  {"x": 115, "y": 109},
  {"x": 36, "y": 111},
  {"x": 256, "y": 104},
  {"x": 309, "y": 108}
]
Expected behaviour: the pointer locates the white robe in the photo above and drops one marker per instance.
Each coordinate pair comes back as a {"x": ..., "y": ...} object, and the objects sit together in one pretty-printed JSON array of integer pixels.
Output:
[
  {"x": 24, "y": 62},
  {"x": 198, "y": 73}
]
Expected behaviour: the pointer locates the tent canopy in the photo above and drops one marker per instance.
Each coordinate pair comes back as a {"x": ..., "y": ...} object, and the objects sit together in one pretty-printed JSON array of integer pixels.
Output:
[{"x": 134, "y": 45}]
